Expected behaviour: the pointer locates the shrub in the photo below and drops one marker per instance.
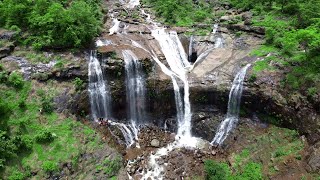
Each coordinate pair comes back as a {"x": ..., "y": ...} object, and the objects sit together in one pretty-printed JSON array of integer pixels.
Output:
[
  {"x": 52, "y": 23},
  {"x": 17, "y": 175},
  {"x": 252, "y": 171},
  {"x": 112, "y": 166},
  {"x": 3, "y": 77},
  {"x": 16, "y": 80},
  {"x": 253, "y": 77},
  {"x": 312, "y": 91},
  {"x": 44, "y": 136},
  {"x": 23, "y": 143},
  {"x": 215, "y": 171},
  {"x": 50, "y": 166},
  {"x": 182, "y": 13},
  {"x": 47, "y": 104},
  {"x": 78, "y": 83}
]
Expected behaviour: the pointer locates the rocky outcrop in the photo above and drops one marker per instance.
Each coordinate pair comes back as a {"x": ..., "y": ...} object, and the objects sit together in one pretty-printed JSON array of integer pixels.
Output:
[
  {"x": 243, "y": 27},
  {"x": 313, "y": 159},
  {"x": 6, "y": 49},
  {"x": 6, "y": 42},
  {"x": 275, "y": 105}
]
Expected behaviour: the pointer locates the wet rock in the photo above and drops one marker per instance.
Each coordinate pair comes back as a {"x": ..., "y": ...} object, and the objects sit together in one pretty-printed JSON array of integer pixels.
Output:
[{"x": 155, "y": 143}]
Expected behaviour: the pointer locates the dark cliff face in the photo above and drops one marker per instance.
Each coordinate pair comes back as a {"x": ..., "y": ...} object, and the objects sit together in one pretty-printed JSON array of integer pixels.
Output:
[{"x": 274, "y": 108}]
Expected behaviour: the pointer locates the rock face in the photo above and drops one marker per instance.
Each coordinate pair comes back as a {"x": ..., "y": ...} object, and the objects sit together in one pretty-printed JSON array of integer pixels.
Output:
[
  {"x": 314, "y": 158},
  {"x": 275, "y": 105}
]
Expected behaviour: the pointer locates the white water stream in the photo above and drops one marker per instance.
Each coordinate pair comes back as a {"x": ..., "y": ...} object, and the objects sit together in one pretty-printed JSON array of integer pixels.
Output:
[{"x": 233, "y": 108}]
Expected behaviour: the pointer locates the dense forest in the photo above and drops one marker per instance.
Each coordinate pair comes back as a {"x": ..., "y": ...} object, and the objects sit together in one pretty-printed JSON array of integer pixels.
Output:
[{"x": 53, "y": 24}]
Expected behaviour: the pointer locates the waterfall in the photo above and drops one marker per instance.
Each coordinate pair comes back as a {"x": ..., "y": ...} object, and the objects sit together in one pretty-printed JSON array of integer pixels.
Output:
[
  {"x": 115, "y": 27},
  {"x": 98, "y": 90},
  {"x": 133, "y": 3},
  {"x": 129, "y": 131},
  {"x": 135, "y": 88},
  {"x": 178, "y": 62},
  {"x": 233, "y": 107},
  {"x": 191, "y": 44}
]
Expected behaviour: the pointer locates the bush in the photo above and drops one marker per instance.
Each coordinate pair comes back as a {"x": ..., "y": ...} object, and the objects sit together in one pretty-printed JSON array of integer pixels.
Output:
[
  {"x": 53, "y": 23},
  {"x": 312, "y": 91},
  {"x": 47, "y": 104},
  {"x": 182, "y": 13},
  {"x": 252, "y": 171},
  {"x": 78, "y": 83},
  {"x": 16, "y": 80},
  {"x": 112, "y": 167},
  {"x": 23, "y": 143},
  {"x": 17, "y": 175},
  {"x": 44, "y": 136},
  {"x": 215, "y": 171},
  {"x": 50, "y": 166}
]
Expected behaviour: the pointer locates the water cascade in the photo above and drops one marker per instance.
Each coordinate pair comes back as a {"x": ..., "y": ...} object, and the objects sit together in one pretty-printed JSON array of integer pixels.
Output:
[
  {"x": 116, "y": 26},
  {"x": 178, "y": 62},
  {"x": 135, "y": 88},
  {"x": 233, "y": 108},
  {"x": 133, "y": 3},
  {"x": 98, "y": 90}
]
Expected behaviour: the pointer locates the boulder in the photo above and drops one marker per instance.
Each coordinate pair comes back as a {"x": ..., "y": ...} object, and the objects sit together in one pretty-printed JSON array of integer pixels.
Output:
[
  {"x": 247, "y": 18},
  {"x": 225, "y": 18},
  {"x": 7, "y": 35},
  {"x": 314, "y": 159},
  {"x": 155, "y": 143}
]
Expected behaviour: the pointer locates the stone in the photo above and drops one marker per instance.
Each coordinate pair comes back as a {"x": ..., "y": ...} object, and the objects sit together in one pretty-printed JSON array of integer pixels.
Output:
[
  {"x": 155, "y": 143},
  {"x": 314, "y": 159},
  {"x": 213, "y": 152},
  {"x": 225, "y": 18}
]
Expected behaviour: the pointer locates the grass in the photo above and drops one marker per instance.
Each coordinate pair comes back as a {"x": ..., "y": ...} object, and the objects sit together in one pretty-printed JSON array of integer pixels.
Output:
[
  {"x": 272, "y": 148},
  {"x": 262, "y": 158},
  {"x": 35, "y": 57},
  {"x": 263, "y": 50},
  {"x": 70, "y": 138},
  {"x": 110, "y": 167}
]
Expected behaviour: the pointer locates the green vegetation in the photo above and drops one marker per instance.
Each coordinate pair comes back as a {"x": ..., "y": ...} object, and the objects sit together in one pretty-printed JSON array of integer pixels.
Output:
[
  {"x": 182, "y": 13},
  {"x": 34, "y": 138},
  {"x": 221, "y": 171},
  {"x": 110, "y": 167},
  {"x": 52, "y": 24},
  {"x": 78, "y": 84},
  {"x": 292, "y": 38},
  {"x": 269, "y": 151}
]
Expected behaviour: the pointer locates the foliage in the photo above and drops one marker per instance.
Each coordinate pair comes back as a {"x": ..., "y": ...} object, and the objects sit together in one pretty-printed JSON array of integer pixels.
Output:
[
  {"x": 216, "y": 171},
  {"x": 17, "y": 175},
  {"x": 53, "y": 24},
  {"x": 221, "y": 171},
  {"x": 50, "y": 166},
  {"x": 47, "y": 105},
  {"x": 44, "y": 136},
  {"x": 78, "y": 83},
  {"x": 293, "y": 36},
  {"x": 110, "y": 167},
  {"x": 26, "y": 135},
  {"x": 181, "y": 13},
  {"x": 15, "y": 80}
]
